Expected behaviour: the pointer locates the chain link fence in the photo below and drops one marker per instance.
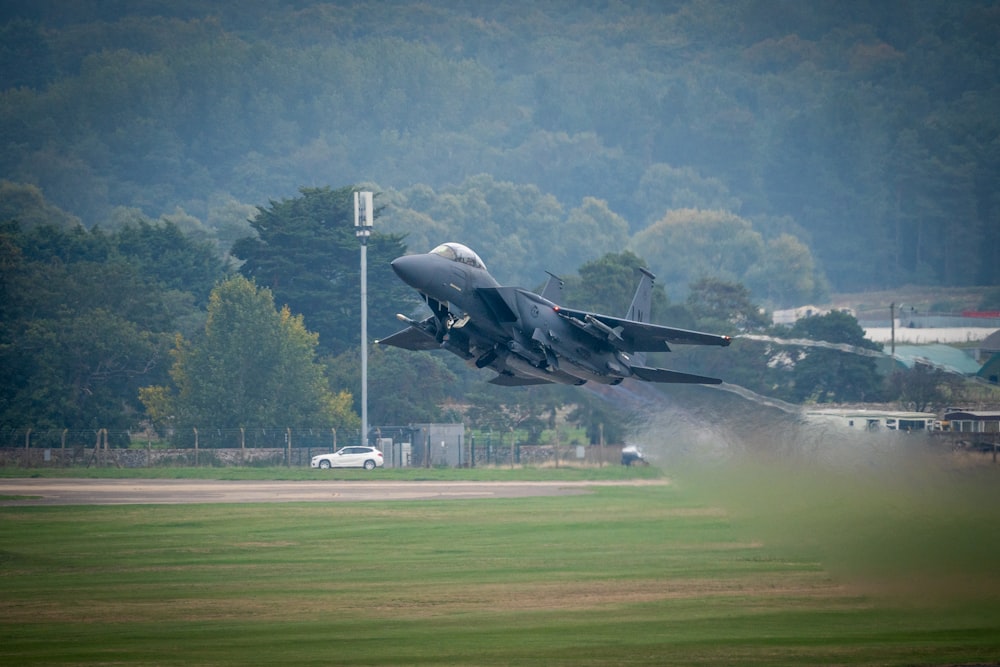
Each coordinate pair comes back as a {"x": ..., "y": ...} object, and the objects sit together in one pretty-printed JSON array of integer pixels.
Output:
[
  {"x": 200, "y": 438},
  {"x": 271, "y": 446}
]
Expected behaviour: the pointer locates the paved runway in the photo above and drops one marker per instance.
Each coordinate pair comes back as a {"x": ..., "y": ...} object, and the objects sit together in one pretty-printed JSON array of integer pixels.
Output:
[{"x": 180, "y": 491}]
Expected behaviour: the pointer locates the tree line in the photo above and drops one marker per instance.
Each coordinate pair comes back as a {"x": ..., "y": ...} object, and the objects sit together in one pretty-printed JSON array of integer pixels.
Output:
[
  {"x": 854, "y": 142},
  {"x": 144, "y": 329}
]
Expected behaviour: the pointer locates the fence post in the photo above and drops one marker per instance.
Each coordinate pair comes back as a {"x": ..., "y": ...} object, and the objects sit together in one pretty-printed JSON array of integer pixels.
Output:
[
  {"x": 600, "y": 430},
  {"x": 97, "y": 449},
  {"x": 195, "y": 445},
  {"x": 288, "y": 444}
]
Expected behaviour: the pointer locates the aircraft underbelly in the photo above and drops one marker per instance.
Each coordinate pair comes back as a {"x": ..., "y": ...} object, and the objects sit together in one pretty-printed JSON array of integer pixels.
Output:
[
  {"x": 520, "y": 366},
  {"x": 608, "y": 372},
  {"x": 580, "y": 355}
]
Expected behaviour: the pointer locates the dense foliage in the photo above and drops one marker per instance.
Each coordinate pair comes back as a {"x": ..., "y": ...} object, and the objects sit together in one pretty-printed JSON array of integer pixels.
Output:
[
  {"x": 305, "y": 251},
  {"x": 86, "y": 318},
  {"x": 254, "y": 366},
  {"x": 89, "y": 319},
  {"x": 854, "y": 142},
  {"x": 751, "y": 153}
]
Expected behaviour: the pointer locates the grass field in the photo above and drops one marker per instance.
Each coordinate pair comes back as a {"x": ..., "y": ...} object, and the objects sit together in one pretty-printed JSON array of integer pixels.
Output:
[{"x": 748, "y": 565}]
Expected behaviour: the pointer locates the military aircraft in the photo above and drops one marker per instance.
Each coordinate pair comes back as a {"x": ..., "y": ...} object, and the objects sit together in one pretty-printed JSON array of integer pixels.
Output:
[{"x": 528, "y": 338}]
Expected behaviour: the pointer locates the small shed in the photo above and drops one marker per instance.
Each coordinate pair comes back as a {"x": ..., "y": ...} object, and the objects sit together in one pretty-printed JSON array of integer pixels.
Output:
[
  {"x": 969, "y": 421},
  {"x": 875, "y": 420},
  {"x": 423, "y": 445}
]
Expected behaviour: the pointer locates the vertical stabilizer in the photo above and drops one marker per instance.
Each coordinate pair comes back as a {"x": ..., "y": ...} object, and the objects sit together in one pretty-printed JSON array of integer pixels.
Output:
[
  {"x": 641, "y": 304},
  {"x": 643, "y": 299},
  {"x": 553, "y": 288}
]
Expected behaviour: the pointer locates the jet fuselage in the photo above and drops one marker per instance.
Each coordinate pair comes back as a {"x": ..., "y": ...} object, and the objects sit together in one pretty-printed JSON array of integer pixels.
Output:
[{"x": 525, "y": 337}]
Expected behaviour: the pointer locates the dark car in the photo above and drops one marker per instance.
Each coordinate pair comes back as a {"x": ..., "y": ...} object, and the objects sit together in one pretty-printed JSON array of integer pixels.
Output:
[{"x": 632, "y": 454}]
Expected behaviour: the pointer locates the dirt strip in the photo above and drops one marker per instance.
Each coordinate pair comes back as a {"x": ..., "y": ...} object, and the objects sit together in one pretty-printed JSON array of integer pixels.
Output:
[{"x": 30, "y": 492}]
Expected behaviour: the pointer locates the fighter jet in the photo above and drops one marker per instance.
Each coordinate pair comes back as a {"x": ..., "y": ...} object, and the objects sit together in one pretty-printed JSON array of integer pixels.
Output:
[{"x": 528, "y": 338}]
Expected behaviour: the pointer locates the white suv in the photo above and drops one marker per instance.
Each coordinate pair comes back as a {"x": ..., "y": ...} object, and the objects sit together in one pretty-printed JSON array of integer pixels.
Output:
[{"x": 368, "y": 458}]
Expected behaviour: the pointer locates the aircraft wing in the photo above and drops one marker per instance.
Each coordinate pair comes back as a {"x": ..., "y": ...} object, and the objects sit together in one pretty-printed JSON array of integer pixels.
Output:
[
  {"x": 500, "y": 301},
  {"x": 411, "y": 338},
  {"x": 632, "y": 336}
]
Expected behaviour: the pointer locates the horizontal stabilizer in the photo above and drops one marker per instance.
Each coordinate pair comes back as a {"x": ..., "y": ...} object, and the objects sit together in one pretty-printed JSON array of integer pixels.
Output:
[
  {"x": 676, "y": 377},
  {"x": 411, "y": 338}
]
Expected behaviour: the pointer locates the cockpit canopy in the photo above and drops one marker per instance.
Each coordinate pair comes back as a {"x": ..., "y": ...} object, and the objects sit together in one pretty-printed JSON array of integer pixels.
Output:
[{"x": 457, "y": 252}]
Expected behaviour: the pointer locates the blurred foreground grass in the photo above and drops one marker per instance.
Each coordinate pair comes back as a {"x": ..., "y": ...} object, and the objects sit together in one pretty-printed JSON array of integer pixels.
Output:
[
  {"x": 913, "y": 527},
  {"x": 746, "y": 564}
]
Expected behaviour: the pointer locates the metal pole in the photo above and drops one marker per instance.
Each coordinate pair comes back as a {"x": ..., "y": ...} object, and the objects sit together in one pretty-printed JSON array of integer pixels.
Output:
[
  {"x": 364, "y": 341},
  {"x": 363, "y": 220}
]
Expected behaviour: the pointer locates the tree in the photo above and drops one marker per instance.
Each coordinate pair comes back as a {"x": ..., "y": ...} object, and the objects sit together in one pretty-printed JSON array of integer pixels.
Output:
[
  {"x": 663, "y": 188},
  {"x": 724, "y": 307},
  {"x": 516, "y": 228},
  {"x": 81, "y": 372},
  {"x": 506, "y": 409},
  {"x": 693, "y": 244},
  {"x": 689, "y": 244},
  {"x": 872, "y": 128},
  {"x": 254, "y": 366},
  {"x": 599, "y": 418},
  {"x": 607, "y": 285},
  {"x": 719, "y": 305},
  {"x": 594, "y": 221},
  {"x": 825, "y": 375},
  {"x": 404, "y": 387},
  {"x": 787, "y": 274},
  {"x": 172, "y": 258},
  {"x": 26, "y": 205},
  {"x": 81, "y": 330},
  {"x": 925, "y": 387},
  {"x": 305, "y": 251}
]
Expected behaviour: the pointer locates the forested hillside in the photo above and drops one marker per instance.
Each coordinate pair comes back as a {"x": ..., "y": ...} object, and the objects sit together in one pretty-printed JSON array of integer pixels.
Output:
[{"x": 790, "y": 146}]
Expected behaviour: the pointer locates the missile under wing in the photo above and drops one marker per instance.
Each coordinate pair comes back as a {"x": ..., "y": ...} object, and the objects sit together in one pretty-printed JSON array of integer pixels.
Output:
[{"x": 528, "y": 338}]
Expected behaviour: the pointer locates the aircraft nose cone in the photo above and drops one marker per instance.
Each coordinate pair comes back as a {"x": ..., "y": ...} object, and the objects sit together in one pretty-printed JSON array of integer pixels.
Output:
[{"x": 411, "y": 270}]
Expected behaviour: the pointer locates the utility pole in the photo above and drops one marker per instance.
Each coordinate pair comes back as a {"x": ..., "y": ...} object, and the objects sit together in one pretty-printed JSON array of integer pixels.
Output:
[
  {"x": 363, "y": 229},
  {"x": 892, "y": 328}
]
